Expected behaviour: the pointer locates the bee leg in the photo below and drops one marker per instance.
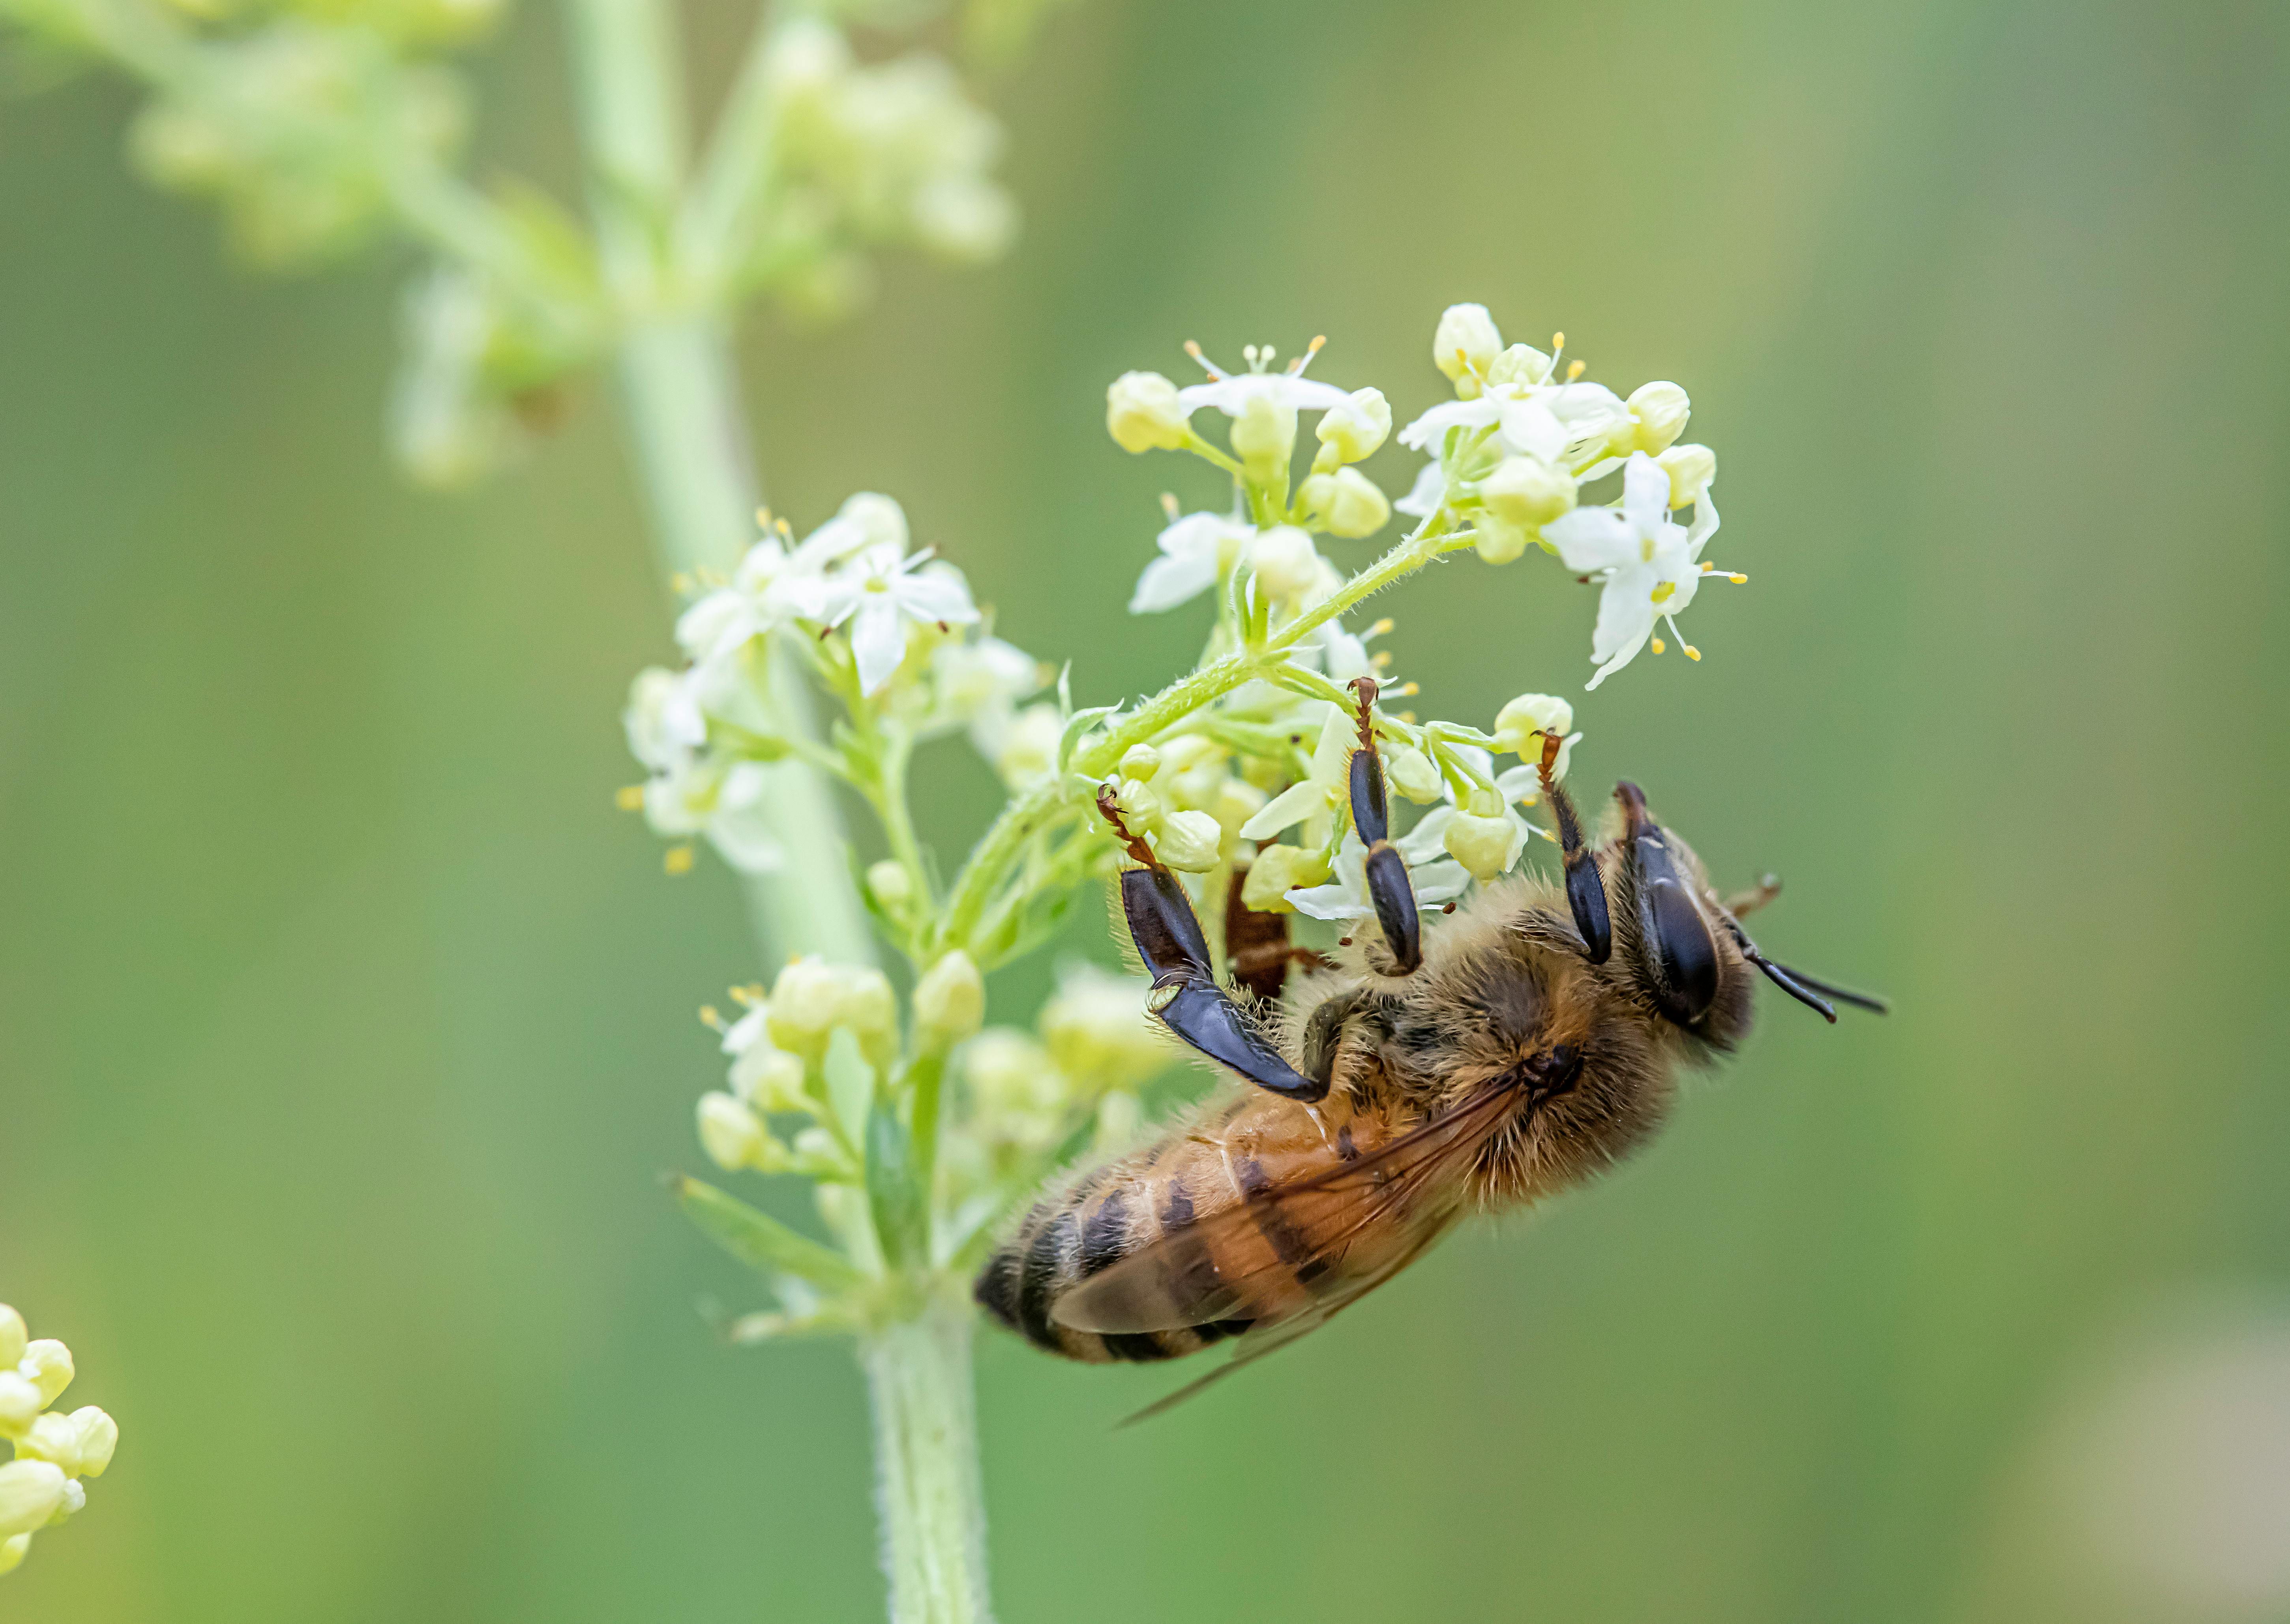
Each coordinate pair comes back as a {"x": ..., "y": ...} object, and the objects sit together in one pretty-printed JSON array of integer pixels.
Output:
[
  {"x": 1751, "y": 901},
  {"x": 1586, "y": 892},
  {"x": 1186, "y": 997},
  {"x": 1257, "y": 952},
  {"x": 1324, "y": 1031},
  {"x": 1389, "y": 888}
]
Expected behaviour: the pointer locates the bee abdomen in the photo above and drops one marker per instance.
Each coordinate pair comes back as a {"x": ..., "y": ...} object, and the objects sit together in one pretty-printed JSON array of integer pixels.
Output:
[{"x": 1062, "y": 1243}]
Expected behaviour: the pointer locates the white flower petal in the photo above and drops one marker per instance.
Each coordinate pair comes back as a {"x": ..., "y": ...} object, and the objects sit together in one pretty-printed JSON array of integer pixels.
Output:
[
  {"x": 740, "y": 829},
  {"x": 1291, "y": 807},
  {"x": 1330, "y": 902},
  {"x": 1626, "y": 616},
  {"x": 1704, "y": 526},
  {"x": 1440, "y": 882},
  {"x": 934, "y": 598},
  {"x": 1645, "y": 492},
  {"x": 1592, "y": 539},
  {"x": 1167, "y": 582},
  {"x": 1426, "y": 431},
  {"x": 1529, "y": 426},
  {"x": 878, "y": 640},
  {"x": 1424, "y": 496}
]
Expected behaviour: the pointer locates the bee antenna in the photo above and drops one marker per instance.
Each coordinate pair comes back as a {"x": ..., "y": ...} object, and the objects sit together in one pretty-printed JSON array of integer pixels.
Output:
[
  {"x": 1843, "y": 995},
  {"x": 1789, "y": 984}
]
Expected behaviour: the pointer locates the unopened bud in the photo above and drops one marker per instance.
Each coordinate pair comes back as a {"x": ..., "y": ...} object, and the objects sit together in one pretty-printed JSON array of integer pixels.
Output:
[
  {"x": 1140, "y": 808},
  {"x": 52, "y": 1438},
  {"x": 1353, "y": 430},
  {"x": 1465, "y": 346},
  {"x": 1520, "y": 363},
  {"x": 890, "y": 885},
  {"x": 99, "y": 1439},
  {"x": 806, "y": 1005},
  {"x": 1498, "y": 541},
  {"x": 1661, "y": 410},
  {"x": 31, "y": 1492},
  {"x": 49, "y": 1364},
  {"x": 1264, "y": 433},
  {"x": 1285, "y": 561},
  {"x": 1691, "y": 470},
  {"x": 12, "y": 1552},
  {"x": 871, "y": 1009},
  {"x": 1142, "y": 415},
  {"x": 1483, "y": 844},
  {"x": 1190, "y": 841},
  {"x": 1236, "y": 801},
  {"x": 1345, "y": 503},
  {"x": 1009, "y": 1071},
  {"x": 1517, "y": 723},
  {"x": 1099, "y": 1034},
  {"x": 1140, "y": 761},
  {"x": 730, "y": 1133},
  {"x": 950, "y": 999},
  {"x": 1278, "y": 870},
  {"x": 19, "y": 1404},
  {"x": 877, "y": 517},
  {"x": 12, "y": 1337},
  {"x": 1411, "y": 774},
  {"x": 1527, "y": 492},
  {"x": 769, "y": 1078}
]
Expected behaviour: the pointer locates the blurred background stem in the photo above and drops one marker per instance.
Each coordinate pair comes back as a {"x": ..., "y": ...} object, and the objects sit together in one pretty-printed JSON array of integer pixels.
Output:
[{"x": 680, "y": 405}]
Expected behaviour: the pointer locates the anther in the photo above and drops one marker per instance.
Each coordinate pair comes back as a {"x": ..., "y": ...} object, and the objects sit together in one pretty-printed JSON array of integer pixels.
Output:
[
  {"x": 1344, "y": 941},
  {"x": 1207, "y": 365},
  {"x": 1405, "y": 690},
  {"x": 1379, "y": 628},
  {"x": 678, "y": 860},
  {"x": 1169, "y": 505},
  {"x": 1659, "y": 645},
  {"x": 708, "y": 1017},
  {"x": 1689, "y": 651},
  {"x": 682, "y": 581},
  {"x": 1296, "y": 367},
  {"x": 1557, "y": 342},
  {"x": 629, "y": 797},
  {"x": 1576, "y": 369},
  {"x": 1447, "y": 908}
]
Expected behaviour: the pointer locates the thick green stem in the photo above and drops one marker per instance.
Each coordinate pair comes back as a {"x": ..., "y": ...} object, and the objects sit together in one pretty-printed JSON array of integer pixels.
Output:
[{"x": 926, "y": 1480}]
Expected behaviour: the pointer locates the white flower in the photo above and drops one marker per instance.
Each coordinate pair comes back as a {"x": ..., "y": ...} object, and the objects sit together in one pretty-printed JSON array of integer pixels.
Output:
[
  {"x": 1424, "y": 496},
  {"x": 880, "y": 593},
  {"x": 663, "y": 720},
  {"x": 1351, "y": 432},
  {"x": 1195, "y": 551},
  {"x": 1437, "y": 879},
  {"x": 1661, "y": 410},
  {"x": 1239, "y": 395},
  {"x": 979, "y": 682},
  {"x": 1563, "y": 423},
  {"x": 1346, "y": 503},
  {"x": 1520, "y": 725},
  {"x": 1023, "y": 748},
  {"x": 1313, "y": 799},
  {"x": 1690, "y": 469},
  {"x": 725, "y": 801},
  {"x": 1285, "y": 561},
  {"x": 1649, "y": 566}
]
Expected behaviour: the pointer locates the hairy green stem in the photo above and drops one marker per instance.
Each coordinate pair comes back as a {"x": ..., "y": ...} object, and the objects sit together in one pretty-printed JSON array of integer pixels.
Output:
[
  {"x": 680, "y": 399},
  {"x": 926, "y": 1480}
]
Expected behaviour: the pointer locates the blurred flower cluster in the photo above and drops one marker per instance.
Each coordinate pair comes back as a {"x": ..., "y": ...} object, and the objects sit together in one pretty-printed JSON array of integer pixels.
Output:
[
  {"x": 919, "y": 1126},
  {"x": 316, "y": 124},
  {"x": 41, "y": 1487}
]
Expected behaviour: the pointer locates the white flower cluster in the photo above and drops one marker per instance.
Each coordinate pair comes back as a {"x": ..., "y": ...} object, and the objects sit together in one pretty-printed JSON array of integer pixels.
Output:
[
  {"x": 41, "y": 1486},
  {"x": 864, "y": 154},
  {"x": 1512, "y": 451},
  {"x": 894, "y": 632}
]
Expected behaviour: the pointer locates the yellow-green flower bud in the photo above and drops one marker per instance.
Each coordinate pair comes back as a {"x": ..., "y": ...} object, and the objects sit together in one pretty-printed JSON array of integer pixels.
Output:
[
  {"x": 52, "y": 1438},
  {"x": 805, "y": 1008},
  {"x": 1517, "y": 723},
  {"x": 1285, "y": 561},
  {"x": 950, "y": 999},
  {"x": 890, "y": 885},
  {"x": 1411, "y": 774},
  {"x": 1140, "y": 807},
  {"x": 1520, "y": 363},
  {"x": 871, "y": 1010},
  {"x": 1498, "y": 541},
  {"x": 19, "y": 1404},
  {"x": 1661, "y": 410},
  {"x": 1142, "y": 415},
  {"x": 1527, "y": 492},
  {"x": 1353, "y": 431},
  {"x": 31, "y": 1492},
  {"x": 1190, "y": 841},
  {"x": 99, "y": 1439},
  {"x": 1009, "y": 1071},
  {"x": 1140, "y": 761},
  {"x": 12, "y": 1337},
  {"x": 1482, "y": 844},
  {"x": 12, "y": 1552},
  {"x": 1465, "y": 346},
  {"x": 769, "y": 1078},
  {"x": 49, "y": 1364},
  {"x": 1279, "y": 870},
  {"x": 1690, "y": 469},
  {"x": 1029, "y": 752},
  {"x": 1264, "y": 434},
  {"x": 1236, "y": 801},
  {"x": 1099, "y": 1034},
  {"x": 1345, "y": 503},
  {"x": 730, "y": 1133},
  {"x": 1192, "y": 769}
]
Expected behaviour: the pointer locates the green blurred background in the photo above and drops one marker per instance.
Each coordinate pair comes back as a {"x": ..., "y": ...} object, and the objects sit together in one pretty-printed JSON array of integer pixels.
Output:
[{"x": 345, "y": 1024}]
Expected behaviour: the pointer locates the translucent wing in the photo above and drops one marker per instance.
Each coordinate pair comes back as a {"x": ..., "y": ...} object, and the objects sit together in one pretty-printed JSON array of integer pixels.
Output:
[{"x": 1292, "y": 1253}]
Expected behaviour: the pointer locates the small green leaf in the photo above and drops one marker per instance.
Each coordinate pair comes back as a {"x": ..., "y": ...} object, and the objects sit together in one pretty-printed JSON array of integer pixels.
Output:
[
  {"x": 1076, "y": 724},
  {"x": 762, "y": 1242},
  {"x": 891, "y": 1197}
]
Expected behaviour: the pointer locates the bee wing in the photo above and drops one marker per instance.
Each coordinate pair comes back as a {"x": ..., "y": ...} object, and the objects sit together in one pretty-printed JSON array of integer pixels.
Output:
[{"x": 1320, "y": 1242}]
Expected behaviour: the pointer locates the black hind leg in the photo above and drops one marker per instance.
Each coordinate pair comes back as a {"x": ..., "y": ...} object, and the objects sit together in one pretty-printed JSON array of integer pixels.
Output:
[{"x": 1389, "y": 888}]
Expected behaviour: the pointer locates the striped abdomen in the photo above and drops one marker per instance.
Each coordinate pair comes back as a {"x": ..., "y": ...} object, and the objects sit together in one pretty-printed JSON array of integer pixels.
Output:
[{"x": 1158, "y": 1199}]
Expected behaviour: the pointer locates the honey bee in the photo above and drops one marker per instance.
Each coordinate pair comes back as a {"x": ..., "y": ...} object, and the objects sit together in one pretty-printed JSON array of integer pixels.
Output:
[{"x": 1527, "y": 1043}]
